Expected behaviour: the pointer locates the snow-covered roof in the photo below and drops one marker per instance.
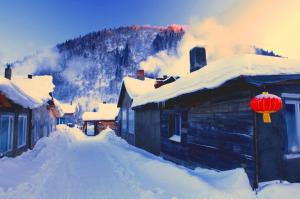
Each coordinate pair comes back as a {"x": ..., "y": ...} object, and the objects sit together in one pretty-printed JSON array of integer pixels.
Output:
[
  {"x": 106, "y": 112},
  {"x": 68, "y": 108},
  {"x": 218, "y": 72},
  {"x": 58, "y": 107},
  {"x": 29, "y": 93},
  {"x": 136, "y": 87}
]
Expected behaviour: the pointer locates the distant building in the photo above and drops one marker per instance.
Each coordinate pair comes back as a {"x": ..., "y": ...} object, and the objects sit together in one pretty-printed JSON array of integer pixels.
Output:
[
  {"x": 27, "y": 112},
  {"x": 69, "y": 114},
  {"x": 95, "y": 122}
]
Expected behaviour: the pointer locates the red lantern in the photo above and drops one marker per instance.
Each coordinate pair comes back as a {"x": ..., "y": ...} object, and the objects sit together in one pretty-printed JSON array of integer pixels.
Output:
[{"x": 266, "y": 103}]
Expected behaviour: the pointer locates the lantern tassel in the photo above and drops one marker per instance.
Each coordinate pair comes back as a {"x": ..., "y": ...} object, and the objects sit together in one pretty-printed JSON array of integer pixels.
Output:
[{"x": 266, "y": 118}]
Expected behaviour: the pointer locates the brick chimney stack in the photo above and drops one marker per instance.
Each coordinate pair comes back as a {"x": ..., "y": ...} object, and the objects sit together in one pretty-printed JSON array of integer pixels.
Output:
[{"x": 140, "y": 74}]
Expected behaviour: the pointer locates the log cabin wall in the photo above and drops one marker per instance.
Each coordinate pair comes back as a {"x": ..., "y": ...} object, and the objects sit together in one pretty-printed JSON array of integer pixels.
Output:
[
  {"x": 147, "y": 130},
  {"x": 172, "y": 150},
  {"x": 103, "y": 124},
  {"x": 217, "y": 130},
  {"x": 274, "y": 161},
  {"x": 8, "y": 107},
  {"x": 42, "y": 123},
  {"x": 126, "y": 104}
]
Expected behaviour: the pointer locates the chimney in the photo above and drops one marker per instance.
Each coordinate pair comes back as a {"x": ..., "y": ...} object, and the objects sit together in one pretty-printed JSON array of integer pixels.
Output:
[
  {"x": 8, "y": 71},
  {"x": 29, "y": 76},
  {"x": 197, "y": 58},
  {"x": 140, "y": 74}
]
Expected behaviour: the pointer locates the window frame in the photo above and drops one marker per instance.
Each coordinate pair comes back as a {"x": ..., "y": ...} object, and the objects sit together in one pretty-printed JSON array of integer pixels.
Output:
[
  {"x": 10, "y": 131},
  {"x": 36, "y": 129},
  {"x": 130, "y": 123},
  {"x": 175, "y": 130},
  {"x": 124, "y": 128},
  {"x": 24, "y": 130},
  {"x": 292, "y": 98}
]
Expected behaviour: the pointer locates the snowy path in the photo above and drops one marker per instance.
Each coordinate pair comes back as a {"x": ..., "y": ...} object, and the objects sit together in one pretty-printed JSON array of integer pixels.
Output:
[{"x": 69, "y": 165}]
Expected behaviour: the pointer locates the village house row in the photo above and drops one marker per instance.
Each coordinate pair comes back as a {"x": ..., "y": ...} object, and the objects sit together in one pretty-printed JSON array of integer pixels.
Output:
[
  {"x": 27, "y": 111},
  {"x": 204, "y": 118}
]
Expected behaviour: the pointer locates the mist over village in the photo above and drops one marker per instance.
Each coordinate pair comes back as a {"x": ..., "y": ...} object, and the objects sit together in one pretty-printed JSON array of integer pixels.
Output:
[{"x": 149, "y": 99}]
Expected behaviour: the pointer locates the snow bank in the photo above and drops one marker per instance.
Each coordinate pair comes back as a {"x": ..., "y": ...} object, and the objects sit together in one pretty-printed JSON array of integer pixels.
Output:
[
  {"x": 69, "y": 164},
  {"x": 280, "y": 191},
  {"x": 218, "y": 72},
  {"x": 16, "y": 173},
  {"x": 29, "y": 93}
]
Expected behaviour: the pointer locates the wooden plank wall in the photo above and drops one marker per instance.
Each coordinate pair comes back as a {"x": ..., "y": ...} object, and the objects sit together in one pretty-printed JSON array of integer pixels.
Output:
[
  {"x": 147, "y": 130},
  {"x": 126, "y": 102},
  {"x": 16, "y": 110},
  {"x": 216, "y": 133},
  {"x": 272, "y": 141}
]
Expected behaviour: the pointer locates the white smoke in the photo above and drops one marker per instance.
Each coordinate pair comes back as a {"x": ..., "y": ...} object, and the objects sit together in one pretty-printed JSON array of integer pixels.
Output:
[
  {"x": 44, "y": 60},
  {"x": 273, "y": 25},
  {"x": 74, "y": 69}
]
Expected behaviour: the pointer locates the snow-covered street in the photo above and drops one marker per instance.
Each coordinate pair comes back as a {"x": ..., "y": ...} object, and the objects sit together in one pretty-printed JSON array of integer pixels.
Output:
[{"x": 70, "y": 165}]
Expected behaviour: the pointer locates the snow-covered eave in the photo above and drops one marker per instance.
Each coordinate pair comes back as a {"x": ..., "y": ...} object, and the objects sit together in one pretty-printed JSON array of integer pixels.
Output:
[
  {"x": 93, "y": 120},
  {"x": 20, "y": 96},
  {"x": 219, "y": 72},
  {"x": 87, "y": 117},
  {"x": 127, "y": 87}
]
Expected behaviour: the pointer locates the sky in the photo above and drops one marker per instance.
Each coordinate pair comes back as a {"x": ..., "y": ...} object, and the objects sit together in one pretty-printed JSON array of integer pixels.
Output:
[
  {"x": 269, "y": 24},
  {"x": 27, "y": 26}
]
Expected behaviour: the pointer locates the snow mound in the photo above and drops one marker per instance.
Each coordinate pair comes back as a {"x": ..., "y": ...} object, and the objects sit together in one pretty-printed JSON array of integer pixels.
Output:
[
  {"x": 279, "y": 191},
  {"x": 69, "y": 164}
]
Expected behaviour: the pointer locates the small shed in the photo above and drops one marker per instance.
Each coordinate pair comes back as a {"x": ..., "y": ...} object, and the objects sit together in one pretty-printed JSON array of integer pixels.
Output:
[{"x": 95, "y": 122}]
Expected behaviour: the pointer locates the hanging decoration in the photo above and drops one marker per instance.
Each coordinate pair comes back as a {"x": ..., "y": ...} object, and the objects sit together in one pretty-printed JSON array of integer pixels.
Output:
[{"x": 266, "y": 104}]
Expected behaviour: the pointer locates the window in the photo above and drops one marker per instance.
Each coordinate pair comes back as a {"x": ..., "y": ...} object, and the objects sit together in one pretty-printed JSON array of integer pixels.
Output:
[
  {"x": 22, "y": 130},
  {"x": 90, "y": 128},
  {"x": 131, "y": 121},
  {"x": 124, "y": 119},
  {"x": 7, "y": 132},
  {"x": 36, "y": 133},
  {"x": 45, "y": 130},
  {"x": 175, "y": 127},
  {"x": 292, "y": 117}
]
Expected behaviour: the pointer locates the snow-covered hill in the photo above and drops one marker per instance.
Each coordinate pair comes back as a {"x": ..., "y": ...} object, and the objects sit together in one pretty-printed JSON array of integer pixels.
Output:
[{"x": 91, "y": 67}]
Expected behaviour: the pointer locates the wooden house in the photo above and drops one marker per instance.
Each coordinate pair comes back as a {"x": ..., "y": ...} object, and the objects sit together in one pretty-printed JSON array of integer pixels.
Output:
[
  {"x": 131, "y": 88},
  {"x": 70, "y": 113},
  {"x": 204, "y": 118},
  {"x": 27, "y": 112},
  {"x": 95, "y": 122}
]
